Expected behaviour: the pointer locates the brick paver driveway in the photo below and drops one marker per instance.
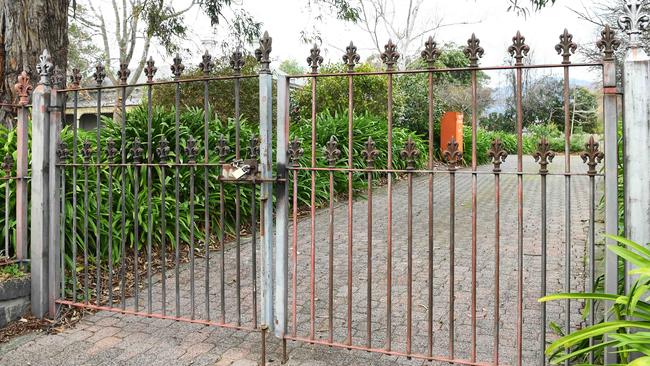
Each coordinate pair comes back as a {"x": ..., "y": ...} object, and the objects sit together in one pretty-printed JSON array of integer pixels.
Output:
[{"x": 115, "y": 339}]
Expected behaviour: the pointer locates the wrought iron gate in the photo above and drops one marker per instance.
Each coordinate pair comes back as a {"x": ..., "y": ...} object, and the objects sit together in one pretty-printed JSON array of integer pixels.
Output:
[
  {"x": 156, "y": 205},
  {"x": 358, "y": 282},
  {"x": 101, "y": 176}
]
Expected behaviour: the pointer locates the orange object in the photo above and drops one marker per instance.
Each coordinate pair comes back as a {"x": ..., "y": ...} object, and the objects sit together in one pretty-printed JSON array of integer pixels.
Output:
[{"x": 451, "y": 125}]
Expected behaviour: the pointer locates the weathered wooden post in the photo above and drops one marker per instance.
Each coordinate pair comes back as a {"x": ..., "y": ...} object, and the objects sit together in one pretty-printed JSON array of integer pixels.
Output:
[
  {"x": 636, "y": 125},
  {"x": 40, "y": 204}
]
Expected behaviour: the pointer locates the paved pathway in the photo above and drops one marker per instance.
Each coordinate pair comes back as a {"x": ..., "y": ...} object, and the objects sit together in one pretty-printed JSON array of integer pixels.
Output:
[{"x": 114, "y": 339}]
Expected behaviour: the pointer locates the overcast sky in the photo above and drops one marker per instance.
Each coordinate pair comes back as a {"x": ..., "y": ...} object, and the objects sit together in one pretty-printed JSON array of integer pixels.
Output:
[{"x": 490, "y": 20}]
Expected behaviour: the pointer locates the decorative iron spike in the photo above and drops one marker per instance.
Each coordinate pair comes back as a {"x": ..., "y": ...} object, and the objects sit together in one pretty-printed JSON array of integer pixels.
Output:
[
  {"x": 177, "y": 67},
  {"x": 58, "y": 78},
  {"x": 163, "y": 150},
  {"x": 410, "y": 153},
  {"x": 474, "y": 51},
  {"x": 45, "y": 67},
  {"x": 295, "y": 152},
  {"x": 99, "y": 74},
  {"x": 634, "y": 21},
  {"x": 315, "y": 59},
  {"x": 7, "y": 165},
  {"x": 452, "y": 154},
  {"x": 566, "y": 47},
  {"x": 254, "y": 147},
  {"x": 62, "y": 152},
  {"x": 351, "y": 57},
  {"x": 237, "y": 62},
  {"x": 75, "y": 79},
  {"x": 544, "y": 156},
  {"x": 137, "y": 151},
  {"x": 608, "y": 43},
  {"x": 191, "y": 150},
  {"x": 111, "y": 150},
  {"x": 519, "y": 49},
  {"x": 592, "y": 156},
  {"x": 23, "y": 88},
  {"x": 430, "y": 53},
  {"x": 86, "y": 150},
  {"x": 390, "y": 55},
  {"x": 206, "y": 65},
  {"x": 263, "y": 53},
  {"x": 332, "y": 152},
  {"x": 150, "y": 70},
  {"x": 222, "y": 148},
  {"x": 370, "y": 153},
  {"x": 123, "y": 73},
  {"x": 498, "y": 155}
]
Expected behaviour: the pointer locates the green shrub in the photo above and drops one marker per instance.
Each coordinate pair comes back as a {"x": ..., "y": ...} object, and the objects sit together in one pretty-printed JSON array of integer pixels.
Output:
[{"x": 627, "y": 326}]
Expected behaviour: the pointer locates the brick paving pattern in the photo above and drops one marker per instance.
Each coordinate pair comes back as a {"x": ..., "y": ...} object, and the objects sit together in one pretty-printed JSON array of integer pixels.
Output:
[{"x": 108, "y": 338}]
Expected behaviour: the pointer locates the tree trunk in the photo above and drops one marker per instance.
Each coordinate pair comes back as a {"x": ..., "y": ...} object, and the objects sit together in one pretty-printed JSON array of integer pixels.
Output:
[{"x": 27, "y": 27}]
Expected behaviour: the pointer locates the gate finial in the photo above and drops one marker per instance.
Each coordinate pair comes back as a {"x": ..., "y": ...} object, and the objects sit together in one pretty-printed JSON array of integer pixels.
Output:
[
  {"x": 45, "y": 67},
  {"x": 99, "y": 74},
  {"x": 473, "y": 51},
  {"x": 315, "y": 59},
  {"x": 592, "y": 156},
  {"x": 566, "y": 47},
  {"x": 23, "y": 88},
  {"x": 544, "y": 156},
  {"x": 519, "y": 49},
  {"x": 452, "y": 154},
  {"x": 237, "y": 62},
  {"x": 263, "y": 53},
  {"x": 634, "y": 21},
  {"x": 608, "y": 43},
  {"x": 498, "y": 155},
  {"x": 390, "y": 55},
  {"x": 430, "y": 53},
  {"x": 150, "y": 70},
  {"x": 351, "y": 57}
]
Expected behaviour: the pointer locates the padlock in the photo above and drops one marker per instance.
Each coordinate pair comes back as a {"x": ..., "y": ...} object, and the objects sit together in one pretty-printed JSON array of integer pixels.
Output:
[{"x": 241, "y": 171}]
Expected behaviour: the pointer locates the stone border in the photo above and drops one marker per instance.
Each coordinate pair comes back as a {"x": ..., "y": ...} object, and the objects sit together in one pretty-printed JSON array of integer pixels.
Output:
[{"x": 14, "y": 299}]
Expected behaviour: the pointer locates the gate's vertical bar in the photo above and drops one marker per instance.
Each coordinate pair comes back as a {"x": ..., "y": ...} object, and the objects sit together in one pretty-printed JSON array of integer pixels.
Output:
[
  {"x": 150, "y": 71},
  {"x": 177, "y": 69},
  {"x": 410, "y": 153},
  {"x": 474, "y": 209},
  {"x": 474, "y": 52},
  {"x": 40, "y": 241},
  {"x": 389, "y": 57},
  {"x": 609, "y": 43},
  {"x": 191, "y": 151},
  {"x": 98, "y": 197},
  {"x": 350, "y": 203},
  {"x": 22, "y": 164},
  {"x": 430, "y": 54},
  {"x": 498, "y": 155},
  {"x": 123, "y": 74},
  {"x": 543, "y": 156},
  {"x": 567, "y": 199},
  {"x": 57, "y": 114},
  {"x": 206, "y": 65},
  {"x": 636, "y": 128},
  {"x": 282, "y": 210},
  {"x": 519, "y": 50},
  {"x": 266, "y": 132},
  {"x": 370, "y": 153}
]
